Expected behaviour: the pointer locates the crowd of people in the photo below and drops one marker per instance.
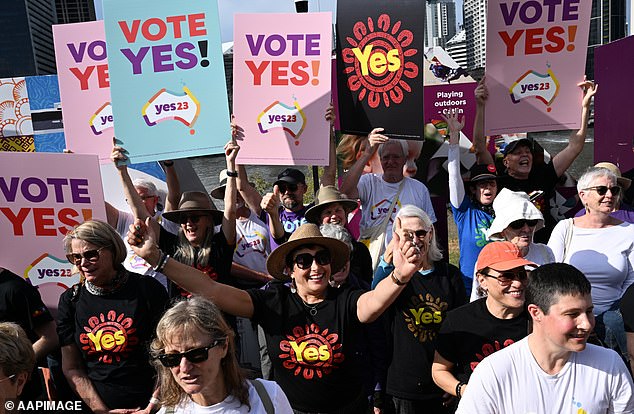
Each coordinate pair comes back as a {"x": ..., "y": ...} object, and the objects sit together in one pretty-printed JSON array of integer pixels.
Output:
[{"x": 349, "y": 299}]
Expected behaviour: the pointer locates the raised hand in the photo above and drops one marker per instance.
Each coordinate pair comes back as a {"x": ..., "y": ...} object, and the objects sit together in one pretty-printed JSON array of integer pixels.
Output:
[
  {"x": 118, "y": 155},
  {"x": 271, "y": 201},
  {"x": 455, "y": 125},
  {"x": 375, "y": 138},
  {"x": 589, "y": 90},
  {"x": 481, "y": 92}
]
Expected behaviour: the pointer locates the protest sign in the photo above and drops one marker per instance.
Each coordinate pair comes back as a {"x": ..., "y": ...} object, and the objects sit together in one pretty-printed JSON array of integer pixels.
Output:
[
  {"x": 281, "y": 88},
  {"x": 168, "y": 87},
  {"x": 15, "y": 117},
  {"x": 379, "y": 66},
  {"x": 613, "y": 120},
  {"x": 82, "y": 67},
  {"x": 46, "y": 113},
  {"x": 536, "y": 54},
  {"x": 42, "y": 197}
]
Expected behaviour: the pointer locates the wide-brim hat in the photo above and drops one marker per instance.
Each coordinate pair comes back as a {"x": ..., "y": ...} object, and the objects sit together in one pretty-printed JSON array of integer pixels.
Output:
[
  {"x": 482, "y": 172},
  {"x": 510, "y": 206},
  {"x": 326, "y": 196},
  {"x": 620, "y": 180},
  {"x": 501, "y": 256},
  {"x": 306, "y": 235},
  {"x": 194, "y": 202}
]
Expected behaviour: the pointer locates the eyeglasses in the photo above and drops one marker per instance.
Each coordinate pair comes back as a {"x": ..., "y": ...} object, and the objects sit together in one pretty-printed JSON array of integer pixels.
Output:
[
  {"x": 305, "y": 260},
  {"x": 193, "y": 355},
  {"x": 193, "y": 218},
  {"x": 603, "y": 189},
  {"x": 90, "y": 255},
  {"x": 518, "y": 224},
  {"x": 506, "y": 278},
  {"x": 418, "y": 233},
  {"x": 287, "y": 187},
  {"x": 8, "y": 378}
]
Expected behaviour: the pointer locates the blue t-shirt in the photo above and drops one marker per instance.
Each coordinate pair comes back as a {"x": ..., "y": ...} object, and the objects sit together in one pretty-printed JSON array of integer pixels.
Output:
[{"x": 471, "y": 222}]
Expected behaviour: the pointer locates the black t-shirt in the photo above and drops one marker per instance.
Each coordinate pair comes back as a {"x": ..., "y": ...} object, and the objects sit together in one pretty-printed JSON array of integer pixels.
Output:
[
  {"x": 627, "y": 309},
  {"x": 313, "y": 356},
  {"x": 470, "y": 333},
  {"x": 220, "y": 259},
  {"x": 416, "y": 317},
  {"x": 542, "y": 177},
  {"x": 361, "y": 262},
  {"x": 112, "y": 333},
  {"x": 21, "y": 303}
]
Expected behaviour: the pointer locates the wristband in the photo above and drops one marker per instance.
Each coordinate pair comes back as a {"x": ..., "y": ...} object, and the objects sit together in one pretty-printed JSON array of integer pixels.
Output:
[
  {"x": 395, "y": 279},
  {"x": 168, "y": 163},
  {"x": 233, "y": 174},
  {"x": 163, "y": 263},
  {"x": 155, "y": 401},
  {"x": 459, "y": 388},
  {"x": 160, "y": 262}
]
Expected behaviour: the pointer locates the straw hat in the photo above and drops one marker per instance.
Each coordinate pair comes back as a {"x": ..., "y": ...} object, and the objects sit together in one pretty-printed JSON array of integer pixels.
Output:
[
  {"x": 510, "y": 206},
  {"x": 306, "y": 235},
  {"x": 326, "y": 196},
  {"x": 620, "y": 180},
  {"x": 194, "y": 202},
  {"x": 501, "y": 256}
]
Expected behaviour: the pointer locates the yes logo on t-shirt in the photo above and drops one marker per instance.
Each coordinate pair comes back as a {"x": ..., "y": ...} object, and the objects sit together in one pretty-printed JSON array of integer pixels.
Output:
[
  {"x": 380, "y": 210},
  {"x": 109, "y": 335},
  {"x": 424, "y": 316},
  {"x": 488, "y": 349},
  {"x": 311, "y": 351}
]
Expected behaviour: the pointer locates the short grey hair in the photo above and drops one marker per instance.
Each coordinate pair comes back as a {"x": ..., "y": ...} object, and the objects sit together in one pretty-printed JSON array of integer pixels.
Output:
[
  {"x": 434, "y": 254},
  {"x": 336, "y": 231},
  {"x": 592, "y": 174},
  {"x": 147, "y": 184},
  {"x": 403, "y": 144}
]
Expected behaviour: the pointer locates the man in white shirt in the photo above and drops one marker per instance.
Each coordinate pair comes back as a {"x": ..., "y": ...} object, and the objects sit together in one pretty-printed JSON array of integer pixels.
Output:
[{"x": 552, "y": 370}]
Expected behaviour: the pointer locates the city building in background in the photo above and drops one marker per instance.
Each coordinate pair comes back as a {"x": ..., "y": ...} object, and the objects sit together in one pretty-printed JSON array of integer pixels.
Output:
[
  {"x": 441, "y": 22},
  {"x": 608, "y": 23},
  {"x": 457, "y": 48},
  {"x": 475, "y": 18},
  {"x": 75, "y": 11},
  {"x": 26, "y": 44}
]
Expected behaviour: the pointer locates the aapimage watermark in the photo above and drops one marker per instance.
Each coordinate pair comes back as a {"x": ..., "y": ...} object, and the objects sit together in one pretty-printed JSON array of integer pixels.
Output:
[{"x": 34, "y": 406}]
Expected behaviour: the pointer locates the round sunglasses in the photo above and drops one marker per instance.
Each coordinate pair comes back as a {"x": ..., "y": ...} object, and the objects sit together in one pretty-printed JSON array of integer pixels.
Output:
[{"x": 193, "y": 355}]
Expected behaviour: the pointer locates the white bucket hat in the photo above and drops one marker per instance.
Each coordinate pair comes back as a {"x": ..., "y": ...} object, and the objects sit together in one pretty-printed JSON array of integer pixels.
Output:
[{"x": 510, "y": 206}]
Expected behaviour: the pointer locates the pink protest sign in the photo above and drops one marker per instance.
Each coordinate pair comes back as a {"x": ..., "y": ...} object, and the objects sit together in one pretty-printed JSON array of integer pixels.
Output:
[
  {"x": 42, "y": 196},
  {"x": 84, "y": 83},
  {"x": 536, "y": 54},
  {"x": 281, "y": 87}
]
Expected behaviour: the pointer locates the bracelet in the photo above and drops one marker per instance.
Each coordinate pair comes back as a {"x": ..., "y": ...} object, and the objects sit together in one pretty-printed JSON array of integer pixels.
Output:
[
  {"x": 168, "y": 163},
  {"x": 459, "y": 388},
  {"x": 160, "y": 262},
  {"x": 395, "y": 279},
  {"x": 233, "y": 174},
  {"x": 163, "y": 263},
  {"x": 155, "y": 401}
]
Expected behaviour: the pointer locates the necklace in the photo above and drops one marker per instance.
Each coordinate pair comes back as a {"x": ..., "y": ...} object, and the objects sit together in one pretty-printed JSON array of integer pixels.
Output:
[
  {"x": 117, "y": 283},
  {"x": 312, "y": 309}
]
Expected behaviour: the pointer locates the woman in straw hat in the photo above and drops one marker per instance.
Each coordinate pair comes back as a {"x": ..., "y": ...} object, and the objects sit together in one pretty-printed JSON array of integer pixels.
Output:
[
  {"x": 311, "y": 328},
  {"x": 197, "y": 243}
]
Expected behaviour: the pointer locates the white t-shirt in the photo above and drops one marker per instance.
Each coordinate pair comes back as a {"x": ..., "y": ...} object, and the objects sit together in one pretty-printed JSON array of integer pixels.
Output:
[
  {"x": 605, "y": 256},
  {"x": 376, "y": 195},
  {"x": 594, "y": 381},
  {"x": 133, "y": 262},
  {"x": 252, "y": 243},
  {"x": 231, "y": 405},
  {"x": 537, "y": 253}
]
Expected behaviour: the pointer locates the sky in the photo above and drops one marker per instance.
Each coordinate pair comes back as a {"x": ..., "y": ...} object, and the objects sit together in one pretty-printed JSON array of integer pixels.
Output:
[{"x": 227, "y": 8}]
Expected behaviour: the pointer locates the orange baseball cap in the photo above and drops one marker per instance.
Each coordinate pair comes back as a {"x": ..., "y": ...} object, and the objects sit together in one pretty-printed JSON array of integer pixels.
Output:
[{"x": 502, "y": 256}]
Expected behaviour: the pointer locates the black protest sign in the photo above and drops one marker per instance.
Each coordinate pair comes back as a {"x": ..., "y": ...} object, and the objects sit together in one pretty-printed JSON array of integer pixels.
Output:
[{"x": 379, "y": 66}]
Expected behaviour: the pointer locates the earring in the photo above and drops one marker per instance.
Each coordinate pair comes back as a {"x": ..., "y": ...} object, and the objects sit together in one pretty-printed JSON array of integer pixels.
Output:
[{"x": 293, "y": 285}]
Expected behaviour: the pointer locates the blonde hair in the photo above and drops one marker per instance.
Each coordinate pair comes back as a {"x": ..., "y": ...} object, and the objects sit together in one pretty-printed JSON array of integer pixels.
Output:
[
  {"x": 183, "y": 319},
  {"x": 100, "y": 234},
  {"x": 348, "y": 148},
  {"x": 16, "y": 351}
]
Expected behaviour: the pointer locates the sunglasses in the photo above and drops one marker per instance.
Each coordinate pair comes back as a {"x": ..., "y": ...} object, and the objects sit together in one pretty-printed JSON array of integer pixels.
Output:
[
  {"x": 90, "y": 255},
  {"x": 287, "y": 187},
  {"x": 193, "y": 355},
  {"x": 506, "y": 278},
  {"x": 305, "y": 260},
  {"x": 418, "y": 233},
  {"x": 603, "y": 190},
  {"x": 518, "y": 224},
  {"x": 193, "y": 218}
]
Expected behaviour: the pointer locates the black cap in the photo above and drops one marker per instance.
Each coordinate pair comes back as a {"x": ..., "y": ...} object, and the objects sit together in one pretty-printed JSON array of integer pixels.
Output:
[
  {"x": 291, "y": 176},
  {"x": 513, "y": 144},
  {"x": 482, "y": 172}
]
